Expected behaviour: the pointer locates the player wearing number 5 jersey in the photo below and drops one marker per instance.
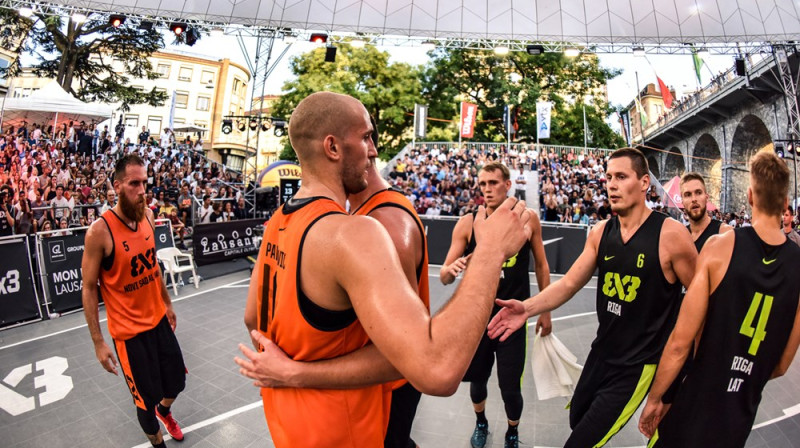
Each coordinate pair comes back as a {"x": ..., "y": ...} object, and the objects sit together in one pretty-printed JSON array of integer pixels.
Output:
[
  {"x": 120, "y": 258},
  {"x": 643, "y": 257},
  {"x": 743, "y": 308}
]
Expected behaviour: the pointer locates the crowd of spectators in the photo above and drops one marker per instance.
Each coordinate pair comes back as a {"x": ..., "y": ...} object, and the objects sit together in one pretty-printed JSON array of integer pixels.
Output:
[{"x": 61, "y": 180}]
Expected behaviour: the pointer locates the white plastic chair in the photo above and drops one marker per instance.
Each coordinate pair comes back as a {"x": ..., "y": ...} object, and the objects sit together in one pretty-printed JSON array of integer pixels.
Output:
[{"x": 176, "y": 262}]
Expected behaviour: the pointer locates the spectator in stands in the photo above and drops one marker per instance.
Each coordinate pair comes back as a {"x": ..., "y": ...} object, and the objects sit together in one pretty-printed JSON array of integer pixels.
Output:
[
  {"x": 144, "y": 136},
  {"x": 216, "y": 212},
  {"x": 178, "y": 227},
  {"x": 241, "y": 209},
  {"x": 204, "y": 213},
  {"x": 7, "y": 212},
  {"x": 228, "y": 213},
  {"x": 60, "y": 204}
]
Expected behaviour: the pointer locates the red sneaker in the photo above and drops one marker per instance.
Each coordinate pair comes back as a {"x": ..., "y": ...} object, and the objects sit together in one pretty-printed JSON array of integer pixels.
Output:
[{"x": 172, "y": 426}]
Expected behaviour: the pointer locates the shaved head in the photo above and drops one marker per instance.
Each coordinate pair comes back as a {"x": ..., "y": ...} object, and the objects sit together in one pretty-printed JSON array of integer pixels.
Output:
[{"x": 319, "y": 115}]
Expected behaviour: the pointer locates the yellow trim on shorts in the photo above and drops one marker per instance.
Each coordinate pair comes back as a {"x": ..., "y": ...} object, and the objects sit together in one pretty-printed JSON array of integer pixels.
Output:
[{"x": 648, "y": 372}]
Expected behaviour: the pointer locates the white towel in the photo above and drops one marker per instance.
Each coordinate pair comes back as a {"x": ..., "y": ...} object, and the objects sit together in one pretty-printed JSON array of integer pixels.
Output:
[{"x": 555, "y": 370}]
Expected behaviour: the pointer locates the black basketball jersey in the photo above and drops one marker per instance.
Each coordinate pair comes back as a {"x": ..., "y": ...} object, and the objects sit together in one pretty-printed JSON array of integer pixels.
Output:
[
  {"x": 636, "y": 305},
  {"x": 514, "y": 280},
  {"x": 711, "y": 229},
  {"x": 749, "y": 319}
]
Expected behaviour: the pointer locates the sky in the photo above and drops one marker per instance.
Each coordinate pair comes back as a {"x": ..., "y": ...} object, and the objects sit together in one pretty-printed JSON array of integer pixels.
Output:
[{"x": 677, "y": 71}]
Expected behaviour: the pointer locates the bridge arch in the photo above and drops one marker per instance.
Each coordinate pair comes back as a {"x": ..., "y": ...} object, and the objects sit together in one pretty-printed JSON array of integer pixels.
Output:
[
  {"x": 751, "y": 136},
  {"x": 652, "y": 162},
  {"x": 674, "y": 163},
  {"x": 707, "y": 160}
]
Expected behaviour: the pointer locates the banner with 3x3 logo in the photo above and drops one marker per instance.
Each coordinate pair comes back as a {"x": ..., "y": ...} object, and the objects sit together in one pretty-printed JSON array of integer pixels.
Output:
[{"x": 18, "y": 299}]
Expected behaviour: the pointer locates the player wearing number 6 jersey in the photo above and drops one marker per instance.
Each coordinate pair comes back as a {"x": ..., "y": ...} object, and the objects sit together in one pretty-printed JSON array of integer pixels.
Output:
[
  {"x": 745, "y": 316},
  {"x": 643, "y": 257}
]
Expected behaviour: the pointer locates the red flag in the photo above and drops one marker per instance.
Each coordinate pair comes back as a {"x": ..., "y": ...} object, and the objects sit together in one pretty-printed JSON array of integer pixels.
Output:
[
  {"x": 666, "y": 95},
  {"x": 468, "y": 111}
]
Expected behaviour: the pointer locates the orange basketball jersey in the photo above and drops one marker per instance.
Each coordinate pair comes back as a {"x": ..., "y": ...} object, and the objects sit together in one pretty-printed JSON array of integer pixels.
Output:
[
  {"x": 300, "y": 418},
  {"x": 130, "y": 281}
]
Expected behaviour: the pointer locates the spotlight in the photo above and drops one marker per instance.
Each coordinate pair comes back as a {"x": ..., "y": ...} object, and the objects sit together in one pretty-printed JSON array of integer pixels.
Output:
[
  {"x": 330, "y": 54},
  {"x": 501, "y": 50},
  {"x": 78, "y": 17},
  {"x": 319, "y": 38},
  {"x": 227, "y": 126},
  {"x": 279, "y": 128},
  {"x": 25, "y": 11},
  {"x": 241, "y": 125},
  {"x": 265, "y": 124},
  {"x": 571, "y": 52},
  {"x": 178, "y": 28},
  {"x": 253, "y": 123},
  {"x": 534, "y": 50},
  {"x": 428, "y": 45},
  {"x": 638, "y": 52},
  {"x": 780, "y": 150},
  {"x": 116, "y": 20},
  {"x": 146, "y": 25},
  {"x": 191, "y": 36}
]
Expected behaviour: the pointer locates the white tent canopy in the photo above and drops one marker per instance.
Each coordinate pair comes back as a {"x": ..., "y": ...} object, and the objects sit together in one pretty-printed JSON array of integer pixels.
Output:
[
  {"x": 663, "y": 22},
  {"x": 51, "y": 105}
]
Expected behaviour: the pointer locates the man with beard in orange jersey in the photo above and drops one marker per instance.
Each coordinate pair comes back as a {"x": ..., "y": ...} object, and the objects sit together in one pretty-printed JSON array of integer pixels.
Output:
[{"x": 120, "y": 255}]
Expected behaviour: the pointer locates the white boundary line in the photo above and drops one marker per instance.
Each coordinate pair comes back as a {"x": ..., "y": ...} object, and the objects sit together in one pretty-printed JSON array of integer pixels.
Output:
[
  {"x": 38, "y": 338},
  {"x": 209, "y": 421}
]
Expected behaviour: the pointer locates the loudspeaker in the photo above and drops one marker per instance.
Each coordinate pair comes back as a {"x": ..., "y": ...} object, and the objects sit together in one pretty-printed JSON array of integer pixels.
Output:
[
  {"x": 330, "y": 54},
  {"x": 740, "y": 69}
]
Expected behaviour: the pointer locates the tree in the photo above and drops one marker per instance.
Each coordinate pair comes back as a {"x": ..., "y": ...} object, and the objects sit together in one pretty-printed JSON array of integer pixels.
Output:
[
  {"x": 387, "y": 90},
  {"x": 92, "y": 60},
  {"x": 521, "y": 80}
]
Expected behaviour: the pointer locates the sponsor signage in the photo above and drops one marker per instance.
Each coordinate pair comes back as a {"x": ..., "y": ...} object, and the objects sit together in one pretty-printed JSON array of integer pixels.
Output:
[
  {"x": 63, "y": 278},
  {"x": 221, "y": 241},
  {"x": 18, "y": 300},
  {"x": 468, "y": 115}
]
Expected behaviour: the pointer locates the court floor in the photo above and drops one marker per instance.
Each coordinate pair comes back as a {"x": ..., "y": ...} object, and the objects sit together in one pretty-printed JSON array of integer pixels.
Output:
[{"x": 53, "y": 392}]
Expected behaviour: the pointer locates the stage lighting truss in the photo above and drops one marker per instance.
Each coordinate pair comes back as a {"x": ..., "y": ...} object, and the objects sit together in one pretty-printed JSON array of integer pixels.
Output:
[
  {"x": 255, "y": 123},
  {"x": 227, "y": 126}
]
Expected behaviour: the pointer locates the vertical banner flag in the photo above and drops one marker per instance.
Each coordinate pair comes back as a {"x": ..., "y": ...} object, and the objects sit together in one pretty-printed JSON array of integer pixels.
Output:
[
  {"x": 666, "y": 95},
  {"x": 420, "y": 120},
  {"x": 625, "y": 123},
  {"x": 468, "y": 112},
  {"x": 642, "y": 113},
  {"x": 172, "y": 112},
  {"x": 543, "y": 110},
  {"x": 698, "y": 64}
]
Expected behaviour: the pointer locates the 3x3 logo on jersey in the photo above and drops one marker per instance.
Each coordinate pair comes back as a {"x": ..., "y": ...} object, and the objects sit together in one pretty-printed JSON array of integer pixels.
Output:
[{"x": 623, "y": 287}]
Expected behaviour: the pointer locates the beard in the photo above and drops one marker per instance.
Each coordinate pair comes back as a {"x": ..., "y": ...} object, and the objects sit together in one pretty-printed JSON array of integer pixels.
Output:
[
  {"x": 354, "y": 179},
  {"x": 131, "y": 209},
  {"x": 696, "y": 215}
]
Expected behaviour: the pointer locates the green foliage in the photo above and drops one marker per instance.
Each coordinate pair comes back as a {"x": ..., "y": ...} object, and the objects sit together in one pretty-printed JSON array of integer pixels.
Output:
[
  {"x": 92, "y": 60},
  {"x": 521, "y": 80},
  {"x": 387, "y": 90}
]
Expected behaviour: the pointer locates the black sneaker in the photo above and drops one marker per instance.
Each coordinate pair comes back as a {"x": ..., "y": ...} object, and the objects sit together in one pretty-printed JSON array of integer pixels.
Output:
[
  {"x": 478, "y": 439},
  {"x": 512, "y": 441}
]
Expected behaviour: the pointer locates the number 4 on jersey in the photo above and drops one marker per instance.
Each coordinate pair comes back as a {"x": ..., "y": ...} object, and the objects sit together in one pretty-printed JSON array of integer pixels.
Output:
[{"x": 758, "y": 333}]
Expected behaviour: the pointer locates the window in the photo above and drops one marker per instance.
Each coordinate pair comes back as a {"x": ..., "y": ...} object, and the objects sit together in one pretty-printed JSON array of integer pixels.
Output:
[
  {"x": 181, "y": 99},
  {"x": 185, "y": 74},
  {"x": 163, "y": 70},
  {"x": 132, "y": 121},
  {"x": 202, "y": 103},
  {"x": 154, "y": 124},
  {"x": 202, "y": 124},
  {"x": 206, "y": 77}
]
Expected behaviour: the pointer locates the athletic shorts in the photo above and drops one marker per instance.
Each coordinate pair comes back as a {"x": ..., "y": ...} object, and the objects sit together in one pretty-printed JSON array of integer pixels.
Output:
[
  {"x": 510, "y": 359},
  {"x": 605, "y": 398},
  {"x": 152, "y": 364},
  {"x": 404, "y": 407}
]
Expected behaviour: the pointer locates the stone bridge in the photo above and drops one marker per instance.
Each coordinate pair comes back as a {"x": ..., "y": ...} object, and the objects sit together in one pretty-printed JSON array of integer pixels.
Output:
[{"x": 720, "y": 128}]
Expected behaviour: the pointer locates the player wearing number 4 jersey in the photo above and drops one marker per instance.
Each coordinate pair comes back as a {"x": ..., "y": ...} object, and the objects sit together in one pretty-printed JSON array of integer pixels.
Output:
[
  {"x": 643, "y": 257},
  {"x": 746, "y": 318},
  {"x": 120, "y": 253}
]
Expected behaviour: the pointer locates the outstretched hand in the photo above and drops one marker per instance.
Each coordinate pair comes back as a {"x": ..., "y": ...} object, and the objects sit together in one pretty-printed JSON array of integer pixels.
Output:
[
  {"x": 652, "y": 414},
  {"x": 507, "y": 228},
  {"x": 508, "y": 320},
  {"x": 268, "y": 368}
]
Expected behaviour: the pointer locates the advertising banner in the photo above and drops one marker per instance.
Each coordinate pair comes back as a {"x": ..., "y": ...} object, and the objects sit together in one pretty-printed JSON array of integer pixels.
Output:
[
  {"x": 220, "y": 241},
  {"x": 163, "y": 235},
  {"x": 543, "y": 110},
  {"x": 18, "y": 300},
  {"x": 61, "y": 257},
  {"x": 420, "y": 120},
  {"x": 468, "y": 114}
]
